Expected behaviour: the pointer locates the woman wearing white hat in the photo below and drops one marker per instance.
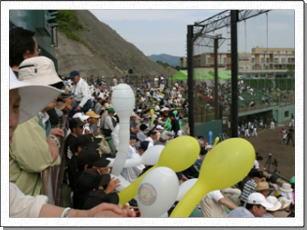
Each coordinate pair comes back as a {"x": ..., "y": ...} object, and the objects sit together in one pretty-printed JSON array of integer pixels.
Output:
[
  {"x": 287, "y": 191},
  {"x": 281, "y": 207},
  {"x": 25, "y": 101},
  {"x": 35, "y": 139},
  {"x": 276, "y": 205}
]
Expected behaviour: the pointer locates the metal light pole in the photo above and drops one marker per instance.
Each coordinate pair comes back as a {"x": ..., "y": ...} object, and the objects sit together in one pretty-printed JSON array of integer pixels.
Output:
[
  {"x": 190, "y": 80},
  {"x": 234, "y": 72},
  {"x": 216, "y": 99}
]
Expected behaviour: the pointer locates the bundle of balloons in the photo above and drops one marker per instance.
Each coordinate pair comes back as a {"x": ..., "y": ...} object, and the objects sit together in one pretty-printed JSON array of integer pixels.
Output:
[{"x": 227, "y": 163}]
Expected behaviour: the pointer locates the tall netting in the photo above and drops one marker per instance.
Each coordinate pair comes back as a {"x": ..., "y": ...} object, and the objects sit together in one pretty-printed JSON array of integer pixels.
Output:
[
  {"x": 212, "y": 96},
  {"x": 265, "y": 67}
]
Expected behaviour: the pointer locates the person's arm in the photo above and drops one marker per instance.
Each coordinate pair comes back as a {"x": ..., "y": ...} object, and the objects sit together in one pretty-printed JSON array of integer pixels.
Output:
[
  {"x": 49, "y": 210},
  {"x": 53, "y": 148},
  {"x": 53, "y": 142},
  {"x": 101, "y": 210},
  {"x": 228, "y": 203},
  {"x": 218, "y": 197}
]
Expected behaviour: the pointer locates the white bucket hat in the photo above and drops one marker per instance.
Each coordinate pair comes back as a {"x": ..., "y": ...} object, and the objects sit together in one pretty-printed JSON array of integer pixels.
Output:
[
  {"x": 164, "y": 109},
  {"x": 38, "y": 70},
  {"x": 286, "y": 187},
  {"x": 275, "y": 202},
  {"x": 81, "y": 116},
  {"x": 285, "y": 203},
  {"x": 159, "y": 127},
  {"x": 258, "y": 198},
  {"x": 34, "y": 97}
]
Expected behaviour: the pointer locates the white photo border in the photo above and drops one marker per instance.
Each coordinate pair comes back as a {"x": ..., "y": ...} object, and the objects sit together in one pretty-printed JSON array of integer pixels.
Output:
[{"x": 298, "y": 6}]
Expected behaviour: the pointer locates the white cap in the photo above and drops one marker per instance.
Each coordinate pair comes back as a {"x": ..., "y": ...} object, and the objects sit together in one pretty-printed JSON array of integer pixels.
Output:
[
  {"x": 34, "y": 97},
  {"x": 164, "y": 109},
  {"x": 258, "y": 198},
  {"x": 81, "y": 116},
  {"x": 166, "y": 135}
]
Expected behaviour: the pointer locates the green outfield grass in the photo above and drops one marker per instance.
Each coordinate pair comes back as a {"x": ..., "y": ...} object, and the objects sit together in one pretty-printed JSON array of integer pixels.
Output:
[
  {"x": 259, "y": 83},
  {"x": 201, "y": 74}
]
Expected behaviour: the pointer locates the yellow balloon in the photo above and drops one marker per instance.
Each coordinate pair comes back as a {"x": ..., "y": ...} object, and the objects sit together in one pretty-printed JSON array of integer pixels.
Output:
[
  {"x": 228, "y": 163},
  {"x": 225, "y": 165},
  {"x": 178, "y": 154}
]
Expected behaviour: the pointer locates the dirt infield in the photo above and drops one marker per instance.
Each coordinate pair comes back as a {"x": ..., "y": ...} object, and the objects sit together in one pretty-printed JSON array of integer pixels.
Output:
[{"x": 269, "y": 141}]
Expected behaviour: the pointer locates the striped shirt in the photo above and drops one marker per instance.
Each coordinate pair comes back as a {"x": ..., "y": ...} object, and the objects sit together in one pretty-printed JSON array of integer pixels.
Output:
[{"x": 249, "y": 187}]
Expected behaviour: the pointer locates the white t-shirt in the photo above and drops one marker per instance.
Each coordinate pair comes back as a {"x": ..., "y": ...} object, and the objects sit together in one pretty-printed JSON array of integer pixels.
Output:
[
  {"x": 108, "y": 123},
  {"x": 151, "y": 142},
  {"x": 215, "y": 195},
  {"x": 210, "y": 207},
  {"x": 256, "y": 164},
  {"x": 82, "y": 92},
  {"x": 131, "y": 173},
  {"x": 26, "y": 206}
]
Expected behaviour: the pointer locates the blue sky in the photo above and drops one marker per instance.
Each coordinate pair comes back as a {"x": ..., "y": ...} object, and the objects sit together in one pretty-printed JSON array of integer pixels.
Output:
[{"x": 164, "y": 31}]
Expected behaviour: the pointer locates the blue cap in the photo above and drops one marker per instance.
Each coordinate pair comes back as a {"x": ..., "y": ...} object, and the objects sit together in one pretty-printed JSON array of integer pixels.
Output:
[{"x": 74, "y": 74}]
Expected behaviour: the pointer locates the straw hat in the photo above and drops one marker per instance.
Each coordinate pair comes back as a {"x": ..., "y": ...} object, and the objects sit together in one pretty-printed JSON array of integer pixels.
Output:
[
  {"x": 286, "y": 187},
  {"x": 262, "y": 185},
  {"x": 34, "y": 97},
  {"x": 275, "y": 202},
  {"x": 92, "y": 114}
]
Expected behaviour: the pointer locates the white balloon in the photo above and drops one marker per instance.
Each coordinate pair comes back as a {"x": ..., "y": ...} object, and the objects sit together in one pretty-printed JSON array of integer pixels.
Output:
[
  {"x": 123, "y": 102},
  {"x": 157, "y": 192},
  {"x": 164, "y": 215},
  {"x": 184, "y": 187},
  {"x": 152, "y": 154}
]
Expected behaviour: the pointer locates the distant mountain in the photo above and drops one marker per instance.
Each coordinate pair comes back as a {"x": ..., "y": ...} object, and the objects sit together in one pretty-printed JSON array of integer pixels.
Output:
[{"x": 169, "y": 59}]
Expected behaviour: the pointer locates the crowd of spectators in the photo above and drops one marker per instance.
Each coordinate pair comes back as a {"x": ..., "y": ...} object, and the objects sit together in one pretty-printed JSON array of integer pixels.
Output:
[{"x": 78, "y": 134}]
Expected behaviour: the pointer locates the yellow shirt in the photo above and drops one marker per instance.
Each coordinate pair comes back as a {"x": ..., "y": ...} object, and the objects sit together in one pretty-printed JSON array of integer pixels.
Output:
[{"x": 29, "y": 156}]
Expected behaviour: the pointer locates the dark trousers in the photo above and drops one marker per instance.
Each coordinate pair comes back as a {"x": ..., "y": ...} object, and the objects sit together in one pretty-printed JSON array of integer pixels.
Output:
[{"x": 86, "y": 107}]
